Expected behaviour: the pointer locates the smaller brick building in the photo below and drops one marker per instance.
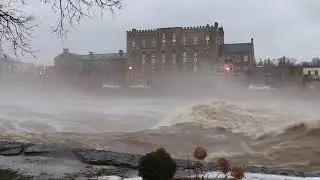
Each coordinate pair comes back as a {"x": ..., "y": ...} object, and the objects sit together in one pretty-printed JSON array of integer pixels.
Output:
[
  {"x": 239, "y": 57},
  {"x": 103, "y": 67}
]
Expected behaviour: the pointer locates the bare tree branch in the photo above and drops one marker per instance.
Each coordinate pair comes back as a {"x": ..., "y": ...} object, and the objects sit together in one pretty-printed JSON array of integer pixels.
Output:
[
  {"x": 71, "y": 12},
  {"x": 16, "y": 27}
]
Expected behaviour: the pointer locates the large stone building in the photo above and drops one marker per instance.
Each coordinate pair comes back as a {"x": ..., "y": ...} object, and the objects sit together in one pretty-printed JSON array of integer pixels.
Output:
[
  {"x": 160, "y": 53},
  {"x": 186, "y": 49}
]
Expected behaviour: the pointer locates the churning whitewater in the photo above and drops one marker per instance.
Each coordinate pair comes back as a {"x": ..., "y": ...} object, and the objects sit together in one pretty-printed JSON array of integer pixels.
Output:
[{"x": 279, "y": 131}]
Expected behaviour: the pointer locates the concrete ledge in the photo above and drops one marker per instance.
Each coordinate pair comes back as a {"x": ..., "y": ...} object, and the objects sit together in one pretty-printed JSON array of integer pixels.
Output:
[{"x": 101, "y": 157}]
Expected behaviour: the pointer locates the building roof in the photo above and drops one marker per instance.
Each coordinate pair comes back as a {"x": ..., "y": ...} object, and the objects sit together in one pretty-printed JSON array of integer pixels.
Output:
[
  {"x": 94, "y": 57},
  {"x": 108, "y": 56},
  {"x": 236, "y": 48}
]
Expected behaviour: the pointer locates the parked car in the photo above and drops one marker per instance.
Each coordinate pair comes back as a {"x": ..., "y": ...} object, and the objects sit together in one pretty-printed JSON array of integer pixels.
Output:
[
  {"x": 111, "y": 86},
  {"x": 259, "y": 87},
  {"x": 140, "y": 86}
]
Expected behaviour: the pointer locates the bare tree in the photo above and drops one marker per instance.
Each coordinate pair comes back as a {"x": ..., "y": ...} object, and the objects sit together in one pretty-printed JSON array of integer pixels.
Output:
[{"x": 16, "y": 27}]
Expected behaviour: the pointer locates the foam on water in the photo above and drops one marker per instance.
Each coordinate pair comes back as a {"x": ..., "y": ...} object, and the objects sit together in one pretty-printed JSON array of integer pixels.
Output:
[{"x": 266, "y": 132}]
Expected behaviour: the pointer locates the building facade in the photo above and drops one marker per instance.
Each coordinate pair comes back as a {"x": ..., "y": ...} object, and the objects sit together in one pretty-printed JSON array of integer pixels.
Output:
[
  {"x": 101, "y": 67},
  {"x": 10, "y": 67},
  {"x": 186, "y": 49},
  {"x": 238, "y": 57}
]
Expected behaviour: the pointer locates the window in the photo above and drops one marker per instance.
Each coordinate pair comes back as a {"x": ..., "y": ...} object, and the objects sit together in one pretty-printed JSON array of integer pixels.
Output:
[
  {"x": 195, "y": 40},
  {"x": 174, "y": 38},
  {"x": 163, "y": 38},
  {"x": 184, "y": 58},
  {"x": 174, "y": 56},
  {"x": 143, "y": 62},
  {"x": 143, "y": 58},
  {"x": 217, "y": 40},
  {"x": 195, "y": 56},
  {"x": 245, "y": 58},
  {"x": 316, "y": 72},
  {"x": 133, "y": 43},
  {"x": 163, "y": 57},
  {"x": 144, "y": 43},
  {"x": 309, "y": 73},
  {"x": 153, "y": 58},
  {"x": 184, "y": 40},
  {"x": 154, "y": 42},
  {"x": 207, "y": 40}
]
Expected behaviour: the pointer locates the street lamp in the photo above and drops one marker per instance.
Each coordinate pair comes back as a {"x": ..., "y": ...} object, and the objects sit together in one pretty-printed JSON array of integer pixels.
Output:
[{"x": 130, "y": 67}]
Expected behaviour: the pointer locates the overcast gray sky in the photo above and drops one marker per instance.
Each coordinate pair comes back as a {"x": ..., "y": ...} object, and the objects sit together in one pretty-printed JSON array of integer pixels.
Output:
[{"x": 279, "y": 27}]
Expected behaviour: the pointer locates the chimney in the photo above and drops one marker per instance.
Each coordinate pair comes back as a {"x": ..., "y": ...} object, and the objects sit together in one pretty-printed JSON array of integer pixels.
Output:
[
  {"x": 121, "y": 52},
  {"x": 90, "y": 55},
  {"x": 216, "y": 25},
  {"x": 65, "y": 50}
]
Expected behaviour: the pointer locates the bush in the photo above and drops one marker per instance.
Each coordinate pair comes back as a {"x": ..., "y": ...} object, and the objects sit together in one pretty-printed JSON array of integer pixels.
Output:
[{"x": 157, "y": 165}]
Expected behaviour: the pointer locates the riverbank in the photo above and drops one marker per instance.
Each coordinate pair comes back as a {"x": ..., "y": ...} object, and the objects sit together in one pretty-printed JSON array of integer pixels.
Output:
[{"x": 54, "y": 161}]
